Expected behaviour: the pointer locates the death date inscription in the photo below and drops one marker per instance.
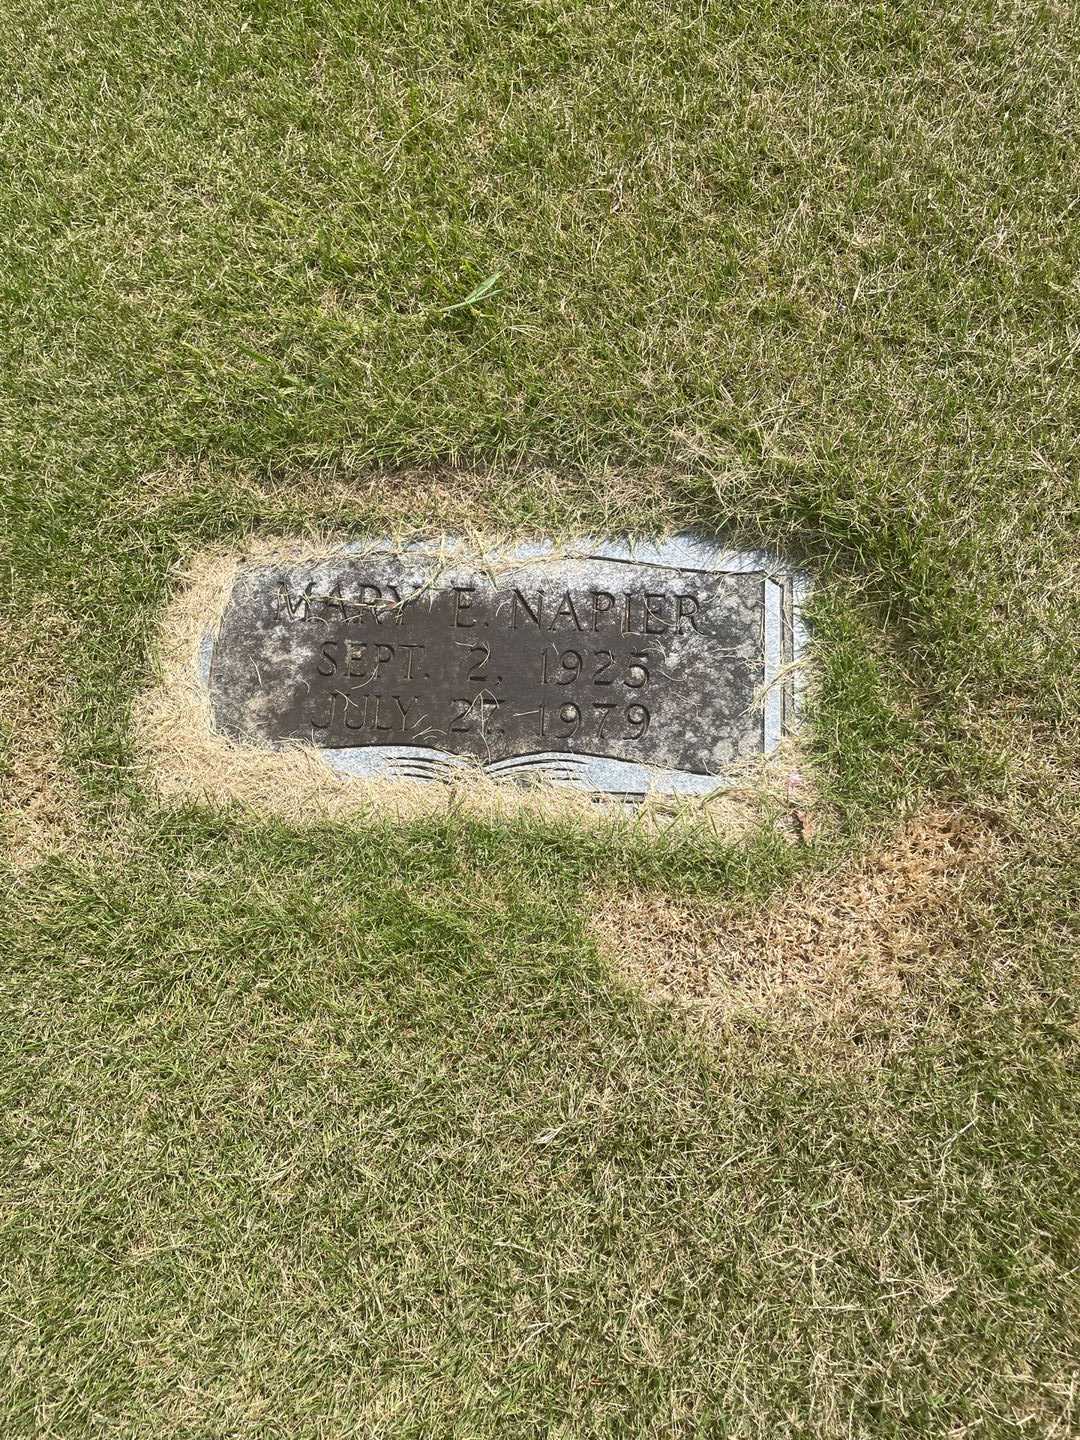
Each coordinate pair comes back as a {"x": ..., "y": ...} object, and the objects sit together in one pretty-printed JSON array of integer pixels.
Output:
[{"x": 642, "y": 663}]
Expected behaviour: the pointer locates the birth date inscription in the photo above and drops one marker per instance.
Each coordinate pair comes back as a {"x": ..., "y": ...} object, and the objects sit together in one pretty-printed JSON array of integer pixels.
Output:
[{"x": 646, "y": 663}]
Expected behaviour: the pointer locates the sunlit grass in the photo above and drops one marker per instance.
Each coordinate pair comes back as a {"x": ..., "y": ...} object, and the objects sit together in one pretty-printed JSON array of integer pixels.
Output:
[{"x": 352, "y": 1130}]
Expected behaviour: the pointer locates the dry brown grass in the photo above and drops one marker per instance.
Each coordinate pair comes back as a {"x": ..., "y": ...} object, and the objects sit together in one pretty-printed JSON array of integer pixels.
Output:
[
  {"x": 181, "y": 756},
  {"x": 841, "y": 961}
]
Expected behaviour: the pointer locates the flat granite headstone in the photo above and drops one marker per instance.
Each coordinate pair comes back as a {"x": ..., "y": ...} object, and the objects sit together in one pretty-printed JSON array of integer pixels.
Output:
[{"x": 620, "y": 667}]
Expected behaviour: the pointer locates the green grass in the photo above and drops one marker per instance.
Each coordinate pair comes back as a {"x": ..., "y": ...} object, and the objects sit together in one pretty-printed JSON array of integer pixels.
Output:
[{"x": 352, "y": 1131}]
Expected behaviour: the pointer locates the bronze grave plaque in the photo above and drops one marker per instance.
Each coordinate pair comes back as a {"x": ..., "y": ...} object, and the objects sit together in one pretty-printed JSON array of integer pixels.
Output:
[{"x": 619, "y": 667}]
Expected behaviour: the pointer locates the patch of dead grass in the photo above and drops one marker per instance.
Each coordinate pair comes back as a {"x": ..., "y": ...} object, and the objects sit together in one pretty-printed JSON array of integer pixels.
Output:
[{"x": 841, "y": 963}]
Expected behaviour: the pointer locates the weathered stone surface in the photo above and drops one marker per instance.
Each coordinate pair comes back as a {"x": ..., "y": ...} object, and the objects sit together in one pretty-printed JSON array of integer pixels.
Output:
[{"x": 593, "y": 665}]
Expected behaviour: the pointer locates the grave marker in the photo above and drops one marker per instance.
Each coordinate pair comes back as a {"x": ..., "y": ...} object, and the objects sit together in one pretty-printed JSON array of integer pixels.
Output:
[{"x": 619, "y": 667}]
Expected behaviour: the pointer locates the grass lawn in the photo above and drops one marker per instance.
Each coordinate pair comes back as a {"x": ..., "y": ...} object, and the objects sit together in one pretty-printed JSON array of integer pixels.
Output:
[{"x": 468, "y": 1129}]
